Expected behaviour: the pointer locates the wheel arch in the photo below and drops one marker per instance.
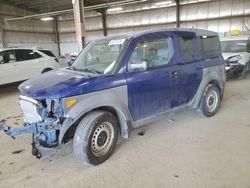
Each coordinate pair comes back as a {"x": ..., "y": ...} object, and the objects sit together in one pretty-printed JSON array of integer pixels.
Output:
[
  {"x": 123, "y": 123},
  {"x": 198, "y": 97},
  {"x": 219, "y": 86},
  {"x": 47, "y": 69}
]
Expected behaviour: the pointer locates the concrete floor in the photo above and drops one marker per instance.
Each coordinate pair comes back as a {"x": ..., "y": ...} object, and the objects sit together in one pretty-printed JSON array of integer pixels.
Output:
[{"x": 192, "y": 151}]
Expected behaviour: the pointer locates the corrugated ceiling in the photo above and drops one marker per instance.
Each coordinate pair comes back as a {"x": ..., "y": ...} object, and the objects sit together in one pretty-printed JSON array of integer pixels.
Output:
[{"x": 41, "y": 6}]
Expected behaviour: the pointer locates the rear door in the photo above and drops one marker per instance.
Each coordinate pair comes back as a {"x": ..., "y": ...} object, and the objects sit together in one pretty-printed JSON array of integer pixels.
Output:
[
  {"x": 29, "y": 63},
  {"x": 8, "y": 69},
  {"x": 189, "y": 65}
]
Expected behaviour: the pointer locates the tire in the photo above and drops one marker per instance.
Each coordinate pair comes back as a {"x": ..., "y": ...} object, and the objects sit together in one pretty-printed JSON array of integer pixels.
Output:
[
  {"x": 95, "y": 137},
  {"x": 210, "y": 102},
  {"x": 244, "y": 72}
]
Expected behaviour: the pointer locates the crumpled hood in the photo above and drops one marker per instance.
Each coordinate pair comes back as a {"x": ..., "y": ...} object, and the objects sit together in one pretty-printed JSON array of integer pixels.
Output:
[
  {"x": 53, "y": 84},
  {"x": 245, "y": 56},
  {"x": 227, "y": 55}
]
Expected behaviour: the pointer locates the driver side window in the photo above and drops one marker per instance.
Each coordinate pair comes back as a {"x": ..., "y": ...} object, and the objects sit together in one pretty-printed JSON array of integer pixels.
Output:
[{"x": 150, "y": 54}]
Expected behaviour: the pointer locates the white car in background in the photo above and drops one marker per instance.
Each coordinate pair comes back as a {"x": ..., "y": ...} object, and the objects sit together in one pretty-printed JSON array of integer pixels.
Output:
[
  {"x": 18, "y": 64},
  {"x": 236, "y": 52}
]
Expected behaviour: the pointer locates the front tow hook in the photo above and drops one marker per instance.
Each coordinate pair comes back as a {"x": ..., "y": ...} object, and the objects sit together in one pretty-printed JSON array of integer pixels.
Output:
[
  {"x": 29, "y": 128},
  {"x": 5, "y": 127}
]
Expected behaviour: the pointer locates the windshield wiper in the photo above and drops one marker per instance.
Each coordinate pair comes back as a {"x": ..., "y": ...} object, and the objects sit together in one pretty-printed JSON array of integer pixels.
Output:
[
  {"x": 87, "y": 69},
  {"x": 91, "y": 70}
]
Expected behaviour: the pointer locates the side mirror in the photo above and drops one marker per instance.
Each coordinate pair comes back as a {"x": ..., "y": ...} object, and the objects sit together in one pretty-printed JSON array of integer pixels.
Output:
[
  {"x": 140, "y": 66},
  {"x": 70, "y": 62}
]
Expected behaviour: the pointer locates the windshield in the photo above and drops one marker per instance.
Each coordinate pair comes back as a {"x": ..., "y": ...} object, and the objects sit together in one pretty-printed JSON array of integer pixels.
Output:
[
  {"x": 99, "y": 57},
  {"x": 234, "y": 46}
]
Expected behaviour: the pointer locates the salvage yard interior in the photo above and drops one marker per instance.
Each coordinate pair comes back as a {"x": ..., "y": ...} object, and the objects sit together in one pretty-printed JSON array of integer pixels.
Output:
[
  {"x": 125, "y": 93},
  {"x": 181, "y": 150}
]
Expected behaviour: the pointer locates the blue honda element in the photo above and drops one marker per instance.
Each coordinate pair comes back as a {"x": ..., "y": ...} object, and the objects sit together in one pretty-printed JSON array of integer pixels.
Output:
[{"x": 118, "y": 83}]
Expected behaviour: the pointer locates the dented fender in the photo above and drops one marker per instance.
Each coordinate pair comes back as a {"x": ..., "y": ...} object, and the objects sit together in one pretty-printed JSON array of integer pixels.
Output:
[{"x": 115, "y": 98}]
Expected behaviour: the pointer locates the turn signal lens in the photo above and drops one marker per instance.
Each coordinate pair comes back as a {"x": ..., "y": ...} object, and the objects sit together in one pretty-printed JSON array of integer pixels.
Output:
[{"x": 70, "y": 103}]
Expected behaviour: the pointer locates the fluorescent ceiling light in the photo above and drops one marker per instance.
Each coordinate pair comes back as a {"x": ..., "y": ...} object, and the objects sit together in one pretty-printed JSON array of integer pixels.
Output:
[
  {"x": 47, "y": 18},
  {"x": 114, "y": 9},
  {"x": 163, "y": 3}
]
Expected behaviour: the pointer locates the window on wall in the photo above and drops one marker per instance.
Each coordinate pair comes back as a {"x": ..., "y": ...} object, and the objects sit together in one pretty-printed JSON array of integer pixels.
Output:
[
  {"x": 153, "y": 53},
  {"x": 210, "y": 47},
  {"x": 24, "y": 55},
  {"x": 7, "y": 57}
]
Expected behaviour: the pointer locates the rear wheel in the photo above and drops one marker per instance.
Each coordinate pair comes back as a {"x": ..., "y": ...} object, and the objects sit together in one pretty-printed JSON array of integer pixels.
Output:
[
  {"x": 210, "y": 102},
  {"x": 95, "y": 137}
]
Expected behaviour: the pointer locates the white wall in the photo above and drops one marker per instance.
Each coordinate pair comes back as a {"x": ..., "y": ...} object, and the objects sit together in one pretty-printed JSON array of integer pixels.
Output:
[
  {"x": 217, "y": 15},
  {"x": 27, "y": 32}
]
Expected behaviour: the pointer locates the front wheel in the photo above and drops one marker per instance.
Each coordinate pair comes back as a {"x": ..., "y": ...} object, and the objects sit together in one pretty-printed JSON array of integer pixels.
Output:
[
  {"x": 210, "y": 101},
  {"x": 95, "y": 137}
]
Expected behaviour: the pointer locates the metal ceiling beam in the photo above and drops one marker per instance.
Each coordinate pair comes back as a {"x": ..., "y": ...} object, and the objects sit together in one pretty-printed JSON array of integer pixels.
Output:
[{"x": 20, "y": 6}]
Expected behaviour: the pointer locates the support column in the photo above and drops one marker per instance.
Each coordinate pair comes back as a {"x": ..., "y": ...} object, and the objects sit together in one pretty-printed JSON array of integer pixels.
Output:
[
  {"x": 57, "y": 36},
  {"x": 104, "y": 21},
  {"x": 177, "y": 13},
  {"x": 2, "y": 35},
  {"x": 79, "y": 23}
]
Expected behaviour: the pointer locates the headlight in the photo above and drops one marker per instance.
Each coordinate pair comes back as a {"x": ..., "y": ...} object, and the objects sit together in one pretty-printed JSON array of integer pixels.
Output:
[
  {"x": 234, "y": 58},
  {"x": 29, "y": 107}
]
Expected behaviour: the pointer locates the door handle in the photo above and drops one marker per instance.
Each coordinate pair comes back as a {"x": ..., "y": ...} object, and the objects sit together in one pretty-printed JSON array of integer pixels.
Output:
[{"x": 176, "y": 75}]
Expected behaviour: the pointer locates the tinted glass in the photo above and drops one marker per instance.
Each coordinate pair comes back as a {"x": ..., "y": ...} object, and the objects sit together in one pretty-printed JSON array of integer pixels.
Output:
[
  {"x": 24, "y": 55},
  {"x": 210, "y": 47},
  {"x": 7, "y": 57},
  {"x": 235, "y": 46},
  {"x": 186, "y": 47},
  {"x": 155, "y": 53},
  {"x": 48, "y": 53}
]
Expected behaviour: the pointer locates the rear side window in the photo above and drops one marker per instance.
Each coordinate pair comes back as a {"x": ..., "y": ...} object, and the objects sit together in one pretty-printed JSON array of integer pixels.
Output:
[
  {"x": 7, "y": 57},
  {"x": 210, "y": 47},
  {"x": 48, "y": 53},
  {"x": 24, "y": 55},
  {"x": 186, "y": 46}
]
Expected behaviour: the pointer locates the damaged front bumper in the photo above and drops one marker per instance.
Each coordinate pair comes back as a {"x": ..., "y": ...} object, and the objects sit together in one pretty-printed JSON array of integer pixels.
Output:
[
  {"x": 41, "y": 123},
  {"x": 44, "y": 135},
  {"x": 234, "y": 69}
]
